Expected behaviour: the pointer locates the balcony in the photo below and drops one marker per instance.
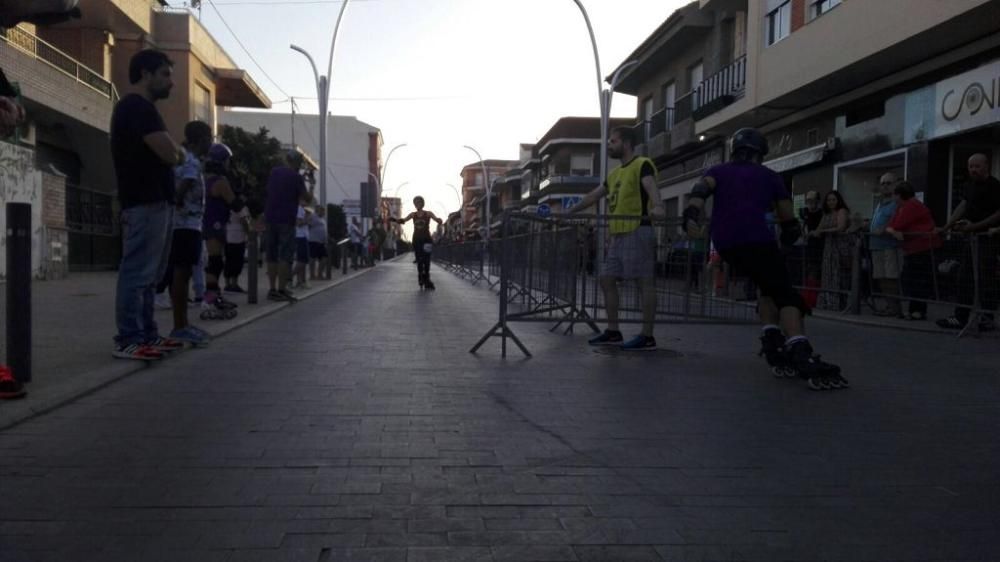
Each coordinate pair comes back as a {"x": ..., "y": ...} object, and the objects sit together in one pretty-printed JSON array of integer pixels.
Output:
[
  {"x": 56, "y": 80},
  {"x": 654, "y": 132},
  {"x": 720, "y": 89}
]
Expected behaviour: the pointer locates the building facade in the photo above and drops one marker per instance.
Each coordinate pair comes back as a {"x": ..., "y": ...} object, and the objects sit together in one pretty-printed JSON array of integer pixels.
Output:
[
  {"x": 354, "y": 149},
  {"x": 845, "y": 90},
  {"x": 70, "y": 76}
]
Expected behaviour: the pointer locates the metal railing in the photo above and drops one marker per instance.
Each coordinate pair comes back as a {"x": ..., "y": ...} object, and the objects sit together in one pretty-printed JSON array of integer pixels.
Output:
[
  {"x": 47, "y": 53},
  {"x": 729, "y": 81},
  {"x": 547, "y": 271}
]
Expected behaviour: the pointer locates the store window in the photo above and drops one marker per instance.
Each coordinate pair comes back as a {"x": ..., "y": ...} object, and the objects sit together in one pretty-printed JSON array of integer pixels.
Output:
[
  {"x": 778, "y": 20},
  {"x": 857, "y": 180}
]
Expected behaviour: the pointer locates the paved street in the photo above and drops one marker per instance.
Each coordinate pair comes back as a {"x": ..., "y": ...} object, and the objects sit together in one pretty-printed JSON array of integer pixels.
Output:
[{"x": 356, "y": 426}]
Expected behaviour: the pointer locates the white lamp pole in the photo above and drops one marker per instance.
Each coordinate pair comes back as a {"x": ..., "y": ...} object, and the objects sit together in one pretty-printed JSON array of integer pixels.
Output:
[
  {"x": 385, "y": 166},
  {"x": 487, "y": 187},
  {"x": 323, "y": 93}
]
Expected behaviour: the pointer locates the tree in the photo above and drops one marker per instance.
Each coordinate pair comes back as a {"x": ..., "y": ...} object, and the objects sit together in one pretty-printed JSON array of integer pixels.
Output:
[{"x": 254, "y": 155}]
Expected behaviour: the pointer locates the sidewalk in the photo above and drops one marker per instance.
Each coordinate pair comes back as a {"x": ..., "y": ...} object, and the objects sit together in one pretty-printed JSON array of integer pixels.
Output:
[{"x": 72, "y": 329}]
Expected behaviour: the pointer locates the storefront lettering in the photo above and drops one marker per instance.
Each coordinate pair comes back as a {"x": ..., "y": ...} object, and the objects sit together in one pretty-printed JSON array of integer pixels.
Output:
[{"x": 973, "y": 99}]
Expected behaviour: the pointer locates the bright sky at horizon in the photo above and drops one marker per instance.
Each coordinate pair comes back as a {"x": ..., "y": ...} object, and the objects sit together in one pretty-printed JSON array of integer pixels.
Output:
[{"x": 440, "y": 74}]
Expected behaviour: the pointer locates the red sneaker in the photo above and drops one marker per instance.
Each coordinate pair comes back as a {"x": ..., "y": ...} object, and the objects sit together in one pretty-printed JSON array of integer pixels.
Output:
[
  {"x": 10, "y": 388},
  {"x": 165, "y": 345},
  {"x": 137, "y": 351}
]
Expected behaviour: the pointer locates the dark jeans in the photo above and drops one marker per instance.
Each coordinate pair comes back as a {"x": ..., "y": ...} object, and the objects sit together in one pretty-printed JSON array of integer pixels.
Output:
[
  {"x": 987, "y": 257},
  {"x": 917, "y": 280}
]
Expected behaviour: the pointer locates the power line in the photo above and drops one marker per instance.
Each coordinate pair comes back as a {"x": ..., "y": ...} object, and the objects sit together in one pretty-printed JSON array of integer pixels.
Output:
[{"x": 245, "y": 50}]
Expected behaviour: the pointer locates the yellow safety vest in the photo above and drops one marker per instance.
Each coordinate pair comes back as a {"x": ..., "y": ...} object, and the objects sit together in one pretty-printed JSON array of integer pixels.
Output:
[{"x": 625, "y": 194}]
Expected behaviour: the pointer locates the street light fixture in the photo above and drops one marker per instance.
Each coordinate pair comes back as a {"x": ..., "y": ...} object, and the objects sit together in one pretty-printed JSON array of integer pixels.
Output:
[
  {"x": 396, "y": 193},
  {"x": 385, "y": 166},
  {"x": 488, "y": 187},
  {"x": 323, "y": 93}
]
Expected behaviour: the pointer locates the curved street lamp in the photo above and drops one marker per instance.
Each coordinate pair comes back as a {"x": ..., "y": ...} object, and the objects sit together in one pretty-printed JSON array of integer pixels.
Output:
[
  {"x": 385, "y": 166},
  {"x": 488, "y": 188},
  {"x": 323, "y": 93}
]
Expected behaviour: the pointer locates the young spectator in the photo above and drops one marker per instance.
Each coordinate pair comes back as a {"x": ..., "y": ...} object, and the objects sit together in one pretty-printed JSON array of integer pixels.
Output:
[
  {"x": 220, "y": 200},
  {"x": 237, "y": 232},
  {"x": 303, "y": 219},
  {"x": 318, "y": 255},
  {"x": 186, "y": 247}
]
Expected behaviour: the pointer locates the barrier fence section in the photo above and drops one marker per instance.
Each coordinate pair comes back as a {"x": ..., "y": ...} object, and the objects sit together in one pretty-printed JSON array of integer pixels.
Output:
[
  {"x": 548, "y": 271},
  {"x": 953, "y": 274}
]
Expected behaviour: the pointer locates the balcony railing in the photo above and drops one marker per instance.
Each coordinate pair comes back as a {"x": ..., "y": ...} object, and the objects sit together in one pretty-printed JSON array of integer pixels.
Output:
[
  {"x": 730, "y": 82},
  {"x": 658, "y": 123},
  {"x": 40, "y": 50}
]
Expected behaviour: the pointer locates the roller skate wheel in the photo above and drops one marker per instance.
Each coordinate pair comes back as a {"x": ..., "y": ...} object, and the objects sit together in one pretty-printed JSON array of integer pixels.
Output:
[
  {"x": 782, "y": 372},
  {"x": 229, "y": 314},
  {"x": 819, "y": 383}
]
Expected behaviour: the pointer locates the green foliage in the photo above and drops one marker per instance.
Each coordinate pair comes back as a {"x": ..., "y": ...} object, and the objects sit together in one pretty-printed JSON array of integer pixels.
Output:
[{"x": 254, "y": 155}]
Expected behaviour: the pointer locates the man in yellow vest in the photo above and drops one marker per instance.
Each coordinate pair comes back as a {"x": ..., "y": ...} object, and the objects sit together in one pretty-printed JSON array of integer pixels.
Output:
[{"x": 631, "y": 254}]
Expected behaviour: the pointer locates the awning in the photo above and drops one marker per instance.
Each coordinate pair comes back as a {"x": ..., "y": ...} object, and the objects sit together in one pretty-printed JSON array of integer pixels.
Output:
[
  {"x": 798, "y": 159},
  {"x": 235, "y": 88}
]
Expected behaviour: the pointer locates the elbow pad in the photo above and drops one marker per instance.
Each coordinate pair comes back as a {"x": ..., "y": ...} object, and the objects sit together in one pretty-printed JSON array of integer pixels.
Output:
[
  {"x": 701, "y": 189},
  {"x": 691, "y": 216}
]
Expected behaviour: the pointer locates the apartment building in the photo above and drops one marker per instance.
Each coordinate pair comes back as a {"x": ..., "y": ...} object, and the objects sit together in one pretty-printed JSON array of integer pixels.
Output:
[
  {"x": 353, "y": 152},
  {"x": 474, "y": 192},
  {"x": 70, "y": 77},
  {"x": 845, "y": 90}
]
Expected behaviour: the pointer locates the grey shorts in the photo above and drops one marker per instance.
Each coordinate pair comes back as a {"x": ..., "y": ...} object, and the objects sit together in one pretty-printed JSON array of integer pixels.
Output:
[
  {"x": 631, "y": 255},
  {"x": 886, "y": 264},
  {"x": 280, "y": 243}
]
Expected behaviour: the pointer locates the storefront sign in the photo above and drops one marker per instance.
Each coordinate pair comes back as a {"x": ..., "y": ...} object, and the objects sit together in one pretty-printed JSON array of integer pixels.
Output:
[{"x": 961, "y": 103}]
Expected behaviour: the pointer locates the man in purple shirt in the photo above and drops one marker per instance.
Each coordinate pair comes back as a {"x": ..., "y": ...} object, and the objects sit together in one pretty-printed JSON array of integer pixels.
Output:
[
  {"x": 285, "y": 190},
  {"x": 745, "y": 191}
]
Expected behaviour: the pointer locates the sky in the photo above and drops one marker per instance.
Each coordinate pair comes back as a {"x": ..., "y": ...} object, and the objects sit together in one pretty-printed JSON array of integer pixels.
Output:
[{"x": 439, "y": 74}]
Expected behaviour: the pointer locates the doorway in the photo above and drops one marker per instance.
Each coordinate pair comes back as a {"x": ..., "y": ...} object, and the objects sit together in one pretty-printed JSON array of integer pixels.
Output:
[{"x": 857, "y": 180}]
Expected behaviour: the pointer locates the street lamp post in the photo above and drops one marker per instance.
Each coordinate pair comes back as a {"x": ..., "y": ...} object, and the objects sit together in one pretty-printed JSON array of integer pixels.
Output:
[
  {"x": 323, "y": 93},
  {"x": 385, "y": 166},
  {"x": 487, "y": 187}
]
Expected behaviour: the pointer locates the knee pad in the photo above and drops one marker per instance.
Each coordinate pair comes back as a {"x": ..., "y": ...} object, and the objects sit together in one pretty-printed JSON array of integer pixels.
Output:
[{"x": 215, "y": 265}]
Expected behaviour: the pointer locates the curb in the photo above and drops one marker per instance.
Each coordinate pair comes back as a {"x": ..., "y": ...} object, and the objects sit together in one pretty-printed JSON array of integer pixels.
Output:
[{"x": 15, "y": 412}]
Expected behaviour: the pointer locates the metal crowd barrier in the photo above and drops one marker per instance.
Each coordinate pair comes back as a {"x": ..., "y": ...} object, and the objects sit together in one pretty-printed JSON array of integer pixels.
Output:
[{"x": 548, "y": 271}]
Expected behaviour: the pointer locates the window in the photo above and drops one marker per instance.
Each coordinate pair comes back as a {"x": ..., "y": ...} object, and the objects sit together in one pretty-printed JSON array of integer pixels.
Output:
[
  {"x": 581, "y": 165},
  {"x": 669, "y": 99},
  {"x": 647, "y": 113},
  {"x": 779, "y": 20},
  {"x": 696, "y": 74},
  {"x": 202, "y": 104},
  {"x": 820, "y": 7}
]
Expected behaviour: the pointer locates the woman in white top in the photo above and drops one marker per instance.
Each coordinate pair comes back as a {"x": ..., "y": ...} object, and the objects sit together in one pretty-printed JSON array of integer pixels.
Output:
[{"x": 237, "y": 230}]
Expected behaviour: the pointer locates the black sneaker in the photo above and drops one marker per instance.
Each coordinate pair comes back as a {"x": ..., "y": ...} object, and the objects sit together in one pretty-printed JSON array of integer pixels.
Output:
[
  {"x": 276, "y": 296},
  {"x": 640, "y": 343},
  {"x": 950, "y": 323},
  {"x": 608, "y": 337}
]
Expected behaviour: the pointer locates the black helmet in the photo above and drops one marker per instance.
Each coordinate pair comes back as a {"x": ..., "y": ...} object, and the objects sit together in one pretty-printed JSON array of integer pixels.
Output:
[{"x": 750, "y": 139}]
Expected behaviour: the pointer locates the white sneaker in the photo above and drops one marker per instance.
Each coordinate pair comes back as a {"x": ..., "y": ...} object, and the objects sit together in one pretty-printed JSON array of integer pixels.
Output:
[{"x": 162, "y": 301}]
